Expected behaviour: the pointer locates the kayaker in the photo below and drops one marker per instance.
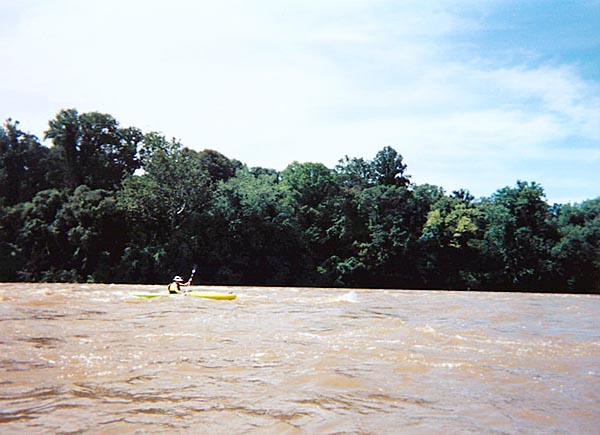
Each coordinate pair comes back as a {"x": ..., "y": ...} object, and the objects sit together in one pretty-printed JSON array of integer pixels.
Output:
[{"x": 175, "y": 286}]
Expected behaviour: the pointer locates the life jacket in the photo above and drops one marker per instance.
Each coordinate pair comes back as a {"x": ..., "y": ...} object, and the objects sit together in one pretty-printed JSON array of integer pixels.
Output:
[{"x": 174, "y": 287}]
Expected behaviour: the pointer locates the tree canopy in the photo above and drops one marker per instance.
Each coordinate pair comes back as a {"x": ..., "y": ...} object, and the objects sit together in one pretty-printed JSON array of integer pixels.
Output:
[{"x": 107, "y": 203}]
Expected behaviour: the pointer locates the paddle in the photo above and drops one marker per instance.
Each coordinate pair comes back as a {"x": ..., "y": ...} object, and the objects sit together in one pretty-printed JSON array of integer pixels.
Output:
[
  {"x": 187, "y": 290},
  {"x": 193, "y": 272}
]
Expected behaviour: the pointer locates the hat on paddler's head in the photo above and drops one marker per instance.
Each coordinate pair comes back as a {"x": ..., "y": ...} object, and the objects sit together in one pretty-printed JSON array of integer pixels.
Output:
[{"x": 178, "y": 279}]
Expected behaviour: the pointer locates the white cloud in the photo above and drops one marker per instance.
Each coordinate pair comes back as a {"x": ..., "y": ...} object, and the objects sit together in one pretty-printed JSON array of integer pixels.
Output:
[{"x": 271, "y": 82}]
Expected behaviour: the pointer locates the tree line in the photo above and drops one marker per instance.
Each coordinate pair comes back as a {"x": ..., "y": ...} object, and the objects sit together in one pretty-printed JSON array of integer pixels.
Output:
[{"x": 111, "y": 204}]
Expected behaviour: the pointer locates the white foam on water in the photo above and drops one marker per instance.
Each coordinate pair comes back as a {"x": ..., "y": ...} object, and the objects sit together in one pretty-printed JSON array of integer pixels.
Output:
[{"x": 351, "y": 297}]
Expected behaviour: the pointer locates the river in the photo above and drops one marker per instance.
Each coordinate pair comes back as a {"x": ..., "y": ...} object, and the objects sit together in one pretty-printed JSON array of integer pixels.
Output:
[{"x": 92, "y": 359}]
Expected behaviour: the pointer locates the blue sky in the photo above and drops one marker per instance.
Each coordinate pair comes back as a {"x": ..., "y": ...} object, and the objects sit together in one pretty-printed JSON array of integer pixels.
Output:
[{"x": 473, "y": 94}]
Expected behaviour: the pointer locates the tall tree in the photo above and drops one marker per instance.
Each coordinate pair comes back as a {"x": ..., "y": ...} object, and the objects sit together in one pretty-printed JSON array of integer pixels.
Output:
[
  {"x": 91, "y": 233},
  {"x": 217, "y": 166},
  {"x": 388, "y": 168},
  {"x": 97, "y": 152},
  {"x": 37, "y": 239},
  {"x": 25, "y": 165},
  {"x": 315, "y": 195},
  {"x": 253, "y": 234},
  {"x": 394, "y": 218},
  {"x": 165, "y": 206},
  {"x": 518, "y": 239},
  {"x": 447, "y": 238},
  {"x": 577, "y": 252},
  {"x": 355, "y": 172}
]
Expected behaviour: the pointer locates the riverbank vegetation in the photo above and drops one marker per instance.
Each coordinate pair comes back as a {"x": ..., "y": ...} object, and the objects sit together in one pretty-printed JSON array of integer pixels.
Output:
[{"x": 106, "y": 203}]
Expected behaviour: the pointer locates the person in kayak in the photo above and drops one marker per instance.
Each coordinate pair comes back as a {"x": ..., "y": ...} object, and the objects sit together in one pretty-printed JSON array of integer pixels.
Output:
[{"x": 175, "y": 286}]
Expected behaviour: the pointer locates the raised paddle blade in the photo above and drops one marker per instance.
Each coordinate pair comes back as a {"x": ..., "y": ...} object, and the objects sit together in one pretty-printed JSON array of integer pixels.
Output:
[{"x": 193, "y": 271}]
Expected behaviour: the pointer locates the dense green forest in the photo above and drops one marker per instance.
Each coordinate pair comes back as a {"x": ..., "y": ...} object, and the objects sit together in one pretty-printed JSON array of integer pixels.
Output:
[{"x": 111, "y": 204}]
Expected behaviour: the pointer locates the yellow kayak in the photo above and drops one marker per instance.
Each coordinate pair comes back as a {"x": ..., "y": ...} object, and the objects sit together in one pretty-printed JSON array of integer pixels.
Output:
[{"x": 195, "y": 294}]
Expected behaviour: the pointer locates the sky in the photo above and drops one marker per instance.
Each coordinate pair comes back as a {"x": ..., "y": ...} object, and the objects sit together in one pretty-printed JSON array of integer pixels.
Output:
[{"x": 473, "y": 94}]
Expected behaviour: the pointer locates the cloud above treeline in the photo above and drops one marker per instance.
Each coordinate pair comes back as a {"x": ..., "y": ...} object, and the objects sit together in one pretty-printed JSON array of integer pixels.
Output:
[{"x": 451, "y": 85}]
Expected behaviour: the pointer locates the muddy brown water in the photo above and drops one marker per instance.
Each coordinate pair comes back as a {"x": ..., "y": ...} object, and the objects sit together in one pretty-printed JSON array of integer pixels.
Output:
[{"x": 92, "y": 359}]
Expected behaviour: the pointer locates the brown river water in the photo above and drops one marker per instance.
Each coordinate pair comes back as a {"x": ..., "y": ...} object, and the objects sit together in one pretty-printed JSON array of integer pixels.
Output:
[{"x": 92, "y": 359}]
